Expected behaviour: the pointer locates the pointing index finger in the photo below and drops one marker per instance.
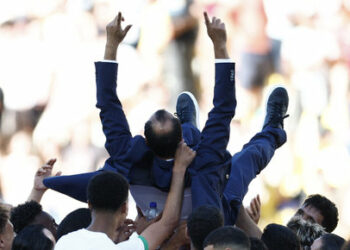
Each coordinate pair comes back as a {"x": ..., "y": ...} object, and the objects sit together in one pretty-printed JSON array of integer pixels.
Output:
[
  {"x": 119, "y": 18},
  {"x": 206, "y": 18}
]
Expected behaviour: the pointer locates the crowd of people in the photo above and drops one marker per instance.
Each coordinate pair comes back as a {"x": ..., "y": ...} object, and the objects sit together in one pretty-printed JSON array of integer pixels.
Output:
[{"x": 197, "y": 183}]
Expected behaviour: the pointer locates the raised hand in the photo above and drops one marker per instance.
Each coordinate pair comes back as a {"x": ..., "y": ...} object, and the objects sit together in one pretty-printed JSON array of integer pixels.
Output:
[
  {"x": 216, "y": 30},
  {"x": 39, "y": 188},
  {"x": 183, "y": 157},
  {"x": 43, "y": 172},
  {"x": 115, "y": 35},
  {"x": 115, "y": 32},
  {"x": 254, "y": 209},
  {"x": 217, "y": 33}
]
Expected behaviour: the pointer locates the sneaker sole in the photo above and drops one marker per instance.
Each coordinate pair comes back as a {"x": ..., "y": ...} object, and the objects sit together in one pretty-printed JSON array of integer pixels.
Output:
[{"x": 194, "y": 100}]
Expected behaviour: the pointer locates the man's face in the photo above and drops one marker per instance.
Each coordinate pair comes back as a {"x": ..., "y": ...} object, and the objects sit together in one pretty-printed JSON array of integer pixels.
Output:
[
  {"x": 47, "y": 221},
  {"x": 6, "y": 238},
  {"x": 317, "y": 244},
  {"x": 310, "y": 213}
]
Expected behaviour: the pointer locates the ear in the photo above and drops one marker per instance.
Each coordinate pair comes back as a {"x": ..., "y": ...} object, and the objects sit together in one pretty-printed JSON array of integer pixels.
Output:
[{"x": 124, "y": 208}]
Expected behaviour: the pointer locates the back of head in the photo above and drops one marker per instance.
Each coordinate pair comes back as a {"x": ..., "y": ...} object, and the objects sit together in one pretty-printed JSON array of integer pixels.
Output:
[
  {"x": 257, "y": 244},
  {"x": 163, "y": 133},
  {"x": 227, "y": 238},
  {"x": 24, "y": 214},
  {"x": 332, "y": 242},
  {"x": 327, "y": 209},
  {"x": 201, "y": 222},
  {"x": 306, "y": 231},
  {"x": 78, "y": 219},
  {"x": 107, "y": 191},
  {"x": 278, "y": 237},
  {"x": 33, "y": 237}
]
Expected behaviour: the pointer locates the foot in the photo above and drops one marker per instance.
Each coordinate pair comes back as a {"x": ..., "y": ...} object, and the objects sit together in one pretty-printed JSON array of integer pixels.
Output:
[
  {"x": 187, "y": 109},
  {"x": 276, "y": 109}
]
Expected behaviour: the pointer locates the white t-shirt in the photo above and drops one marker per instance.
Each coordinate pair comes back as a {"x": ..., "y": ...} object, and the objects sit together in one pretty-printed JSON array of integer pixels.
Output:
[{"x": 87, "y": 240}]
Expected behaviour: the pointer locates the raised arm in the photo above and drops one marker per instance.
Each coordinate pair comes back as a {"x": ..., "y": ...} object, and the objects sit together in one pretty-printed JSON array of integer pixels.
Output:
[
  {"x": 115, "y": 35},
  {"x": 216, "y": 132},
  {"x": 217, "y": 32},
  {"x": 39, "y": 188},
  {"x": 213, "y": 160},
  {"x": 156, "y": 233},
  {"x": 114, "y": 122},
  {"x": 245, "y": 222}
]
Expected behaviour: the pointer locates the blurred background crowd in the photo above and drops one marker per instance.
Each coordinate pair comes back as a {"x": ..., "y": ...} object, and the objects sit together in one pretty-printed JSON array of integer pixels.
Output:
[{"x": 47, "y": 102}]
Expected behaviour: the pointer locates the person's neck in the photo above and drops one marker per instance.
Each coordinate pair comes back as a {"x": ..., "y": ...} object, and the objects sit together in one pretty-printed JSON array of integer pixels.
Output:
[{"x": 104, "y": 222}]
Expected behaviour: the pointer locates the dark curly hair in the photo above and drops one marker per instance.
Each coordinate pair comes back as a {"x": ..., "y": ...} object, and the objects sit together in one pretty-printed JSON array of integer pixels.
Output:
[
  {"x": 278, "y": 237},
  {"x": 327, "y": 209},
  {"x": 202, "y": 221},
  {"x": 107, "y": 191},
  {"x": 32, "y": 237},
  {"x": 24, "y": 214}
]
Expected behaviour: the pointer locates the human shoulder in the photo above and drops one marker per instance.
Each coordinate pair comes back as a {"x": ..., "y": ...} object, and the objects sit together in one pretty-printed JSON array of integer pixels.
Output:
[{"x": 84, "y": 239}]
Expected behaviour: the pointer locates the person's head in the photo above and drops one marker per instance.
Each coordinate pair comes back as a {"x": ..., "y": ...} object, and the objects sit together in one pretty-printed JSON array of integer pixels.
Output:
[
  {"x": 257, "y": 244},
  {"x": 6, "y": 229},
  {"x": 34, "y": 237},
  {"x": 318, "y": 209},
  {"x": 107, "y": 193},
  {"x": 278, "y": 237},
  {"x": 78, "y": 219},
  {"x": 306, "y": 231},
  {"x": 328, "y": 242},
  {"x": 201, "y": 222},
  {"x": 31, "y": 213},
  {"x": 227, "y": 238},
  {"x": 163, "y": 133}
]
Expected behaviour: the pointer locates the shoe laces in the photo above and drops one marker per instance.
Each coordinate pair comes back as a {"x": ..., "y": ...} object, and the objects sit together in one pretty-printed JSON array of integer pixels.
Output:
[{"x": 275, "y": 117}]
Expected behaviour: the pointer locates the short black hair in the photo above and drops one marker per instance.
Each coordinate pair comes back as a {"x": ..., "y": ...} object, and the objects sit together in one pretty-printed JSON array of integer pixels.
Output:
[
  {"x": 278, "y": 237},
  {"x": 32, "y": 237},
  {"x": 306, "y": 231},
  {"x": 257, "y": 244},
  {"x": 201, "y": 222},
  {"x": 332, "y": 242},
  {"x": 327, "y": 209},
  {"x": 163, "y": 145},
  {"x": 228, "y": 237},
  {"x": 78, "y": 219},
  {"x": 4, "y": 216},
  {"x": 107, "y": 191},
  {"x": 24, "y": 214}
]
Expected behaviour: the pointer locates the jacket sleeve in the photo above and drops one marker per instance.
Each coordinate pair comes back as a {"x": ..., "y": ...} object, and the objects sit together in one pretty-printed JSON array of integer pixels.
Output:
[
  {"x": 216, "y": 132},
  {"x": 114, "y": 123},
  {"x": 213, "y": 161}
]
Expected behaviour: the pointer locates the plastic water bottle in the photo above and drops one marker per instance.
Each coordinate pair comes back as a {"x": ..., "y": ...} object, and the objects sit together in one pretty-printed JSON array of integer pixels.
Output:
[{"x": 152, "y": 212}]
